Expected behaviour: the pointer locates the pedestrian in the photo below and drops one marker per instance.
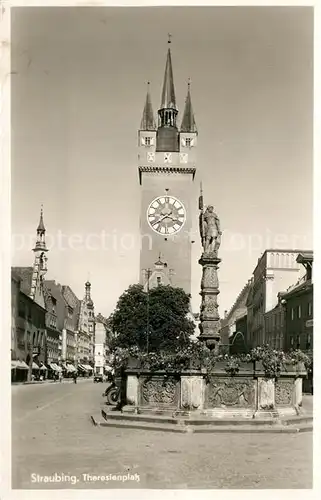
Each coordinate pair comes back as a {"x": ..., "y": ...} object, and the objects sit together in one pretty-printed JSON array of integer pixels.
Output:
[
  {"x": 75, "y": 377},
  {"x": 60, "y": 376}
]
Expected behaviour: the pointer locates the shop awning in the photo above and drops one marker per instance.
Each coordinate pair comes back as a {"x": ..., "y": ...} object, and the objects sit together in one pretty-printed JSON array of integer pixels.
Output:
[
  {"x": 35, "y": 366},
  {"x": 19, "y": 365},
  {"x": 71, "y": 368},
  {"x": 55, "y": 367},
  {"x": 82, "y": 368},
  {"x": 43, "y": 367},
  {"x": 88, "y": 367}
]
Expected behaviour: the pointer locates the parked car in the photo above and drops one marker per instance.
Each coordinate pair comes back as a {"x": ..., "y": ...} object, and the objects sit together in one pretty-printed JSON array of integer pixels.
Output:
[{"x": 98, "y": 377}]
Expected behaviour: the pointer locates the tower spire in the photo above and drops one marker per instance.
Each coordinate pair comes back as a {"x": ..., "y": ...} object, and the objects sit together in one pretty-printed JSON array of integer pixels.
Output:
[
  {"x": 41, "y": 232},
  {"x": 167, "y": 132},
  {"x": 148, "y": 121},
  {"x": 40, "y": 262},
  {"x": 188, "y": 121},
  {"x": 41, "y": 226},
  {"x": 168, "y": 93}
]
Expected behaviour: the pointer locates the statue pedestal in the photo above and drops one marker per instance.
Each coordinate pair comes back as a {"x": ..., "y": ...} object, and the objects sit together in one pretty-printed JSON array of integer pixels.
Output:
[{"x": 210, "y": 324}]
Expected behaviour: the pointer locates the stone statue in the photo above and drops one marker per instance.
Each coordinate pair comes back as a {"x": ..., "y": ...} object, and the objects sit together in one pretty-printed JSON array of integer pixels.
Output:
[{"x": 210, "y": 230}]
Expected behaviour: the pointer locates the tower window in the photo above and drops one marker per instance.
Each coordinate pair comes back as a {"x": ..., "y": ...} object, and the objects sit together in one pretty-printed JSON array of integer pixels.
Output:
[
  {"x": 148, "y": 141},
  {"x": 188, "y": 142},
  {"x": 310, "y": 309},
  {"x": 299, "y": 311},
  {"x": 292, "y": 314},
  {"x": 308, "y": 343},
  {"x": 159, "y": 280}
]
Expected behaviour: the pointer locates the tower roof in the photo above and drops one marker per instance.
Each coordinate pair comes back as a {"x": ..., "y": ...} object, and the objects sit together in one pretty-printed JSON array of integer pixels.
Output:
[
  {"x": 188, "y": 121},
  {"x": 148, "y": 121},
  {"x": 168, "y": 93},
  {"x": 41, "y": 226}
]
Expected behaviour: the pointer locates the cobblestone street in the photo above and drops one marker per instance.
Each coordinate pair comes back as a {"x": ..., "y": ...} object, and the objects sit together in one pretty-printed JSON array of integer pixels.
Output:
[{"x": 52, "y": 433}]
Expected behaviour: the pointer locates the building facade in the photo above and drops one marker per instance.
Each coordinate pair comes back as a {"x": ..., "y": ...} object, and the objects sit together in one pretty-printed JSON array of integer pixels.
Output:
[
  {"x": 100, "y": 347},
  {"x": 229, "y": 323},
  {"x": 28, "y": 334},
  {"x": 274, "y": 326},
  {"x": 70, "y": 330},
  {"x": 166, "y": 166},
  {"x": 86, "y": 328},
  {"x": 298, "y": 304},
  {"x": 159, "y": 275},
  {"x": 54, "y": 335},
  {"x": 276, "y": 270}
]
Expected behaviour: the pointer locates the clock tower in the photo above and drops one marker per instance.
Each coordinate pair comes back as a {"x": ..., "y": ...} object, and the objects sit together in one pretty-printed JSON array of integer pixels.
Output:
[{"x": 166, "y": 165}]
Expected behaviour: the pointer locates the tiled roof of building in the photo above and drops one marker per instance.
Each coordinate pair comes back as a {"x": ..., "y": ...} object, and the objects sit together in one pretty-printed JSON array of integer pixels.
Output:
[
  {"x": 239, "y": 302},
  {"x": 25, "y": 274},
  {"x": 300, "y": 287}
]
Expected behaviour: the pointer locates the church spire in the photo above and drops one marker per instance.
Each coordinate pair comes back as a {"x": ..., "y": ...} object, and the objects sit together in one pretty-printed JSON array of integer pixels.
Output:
[
  {"x": 168, "y": 93},
  {"x": 40, "y": 263},
  {"x": 188, "y": 121},
  {"x": 148, "y": 121},
  {"x": 167, "y": 133},
  {"x": 41, "y": 226},
  {"x": 41, "y": 232}
]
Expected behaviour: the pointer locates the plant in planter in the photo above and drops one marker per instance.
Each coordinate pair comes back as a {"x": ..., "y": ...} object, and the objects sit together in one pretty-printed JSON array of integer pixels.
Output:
[
  {"x": 301, "y": 359},
  {"x": 271, "y": 360},
  {"x": 232, "y": 366}
]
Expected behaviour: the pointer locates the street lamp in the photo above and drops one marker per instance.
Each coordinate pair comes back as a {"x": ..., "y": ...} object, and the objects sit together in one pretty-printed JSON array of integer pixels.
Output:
[{"x": 148, "y": 273}]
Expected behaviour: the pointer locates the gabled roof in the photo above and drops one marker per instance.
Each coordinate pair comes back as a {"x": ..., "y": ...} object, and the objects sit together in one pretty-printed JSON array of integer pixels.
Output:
[{"x": 25, "y": 275}]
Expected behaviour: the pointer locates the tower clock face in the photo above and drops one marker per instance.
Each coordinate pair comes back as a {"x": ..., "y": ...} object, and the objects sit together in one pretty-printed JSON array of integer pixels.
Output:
[{"x": 166, "y": 215}]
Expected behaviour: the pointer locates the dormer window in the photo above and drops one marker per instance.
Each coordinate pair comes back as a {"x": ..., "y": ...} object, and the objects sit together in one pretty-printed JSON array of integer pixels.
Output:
[{"x": 188, "y": 142}]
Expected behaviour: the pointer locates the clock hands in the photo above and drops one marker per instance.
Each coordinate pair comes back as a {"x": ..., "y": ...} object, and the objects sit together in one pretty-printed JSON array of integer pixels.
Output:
[{"x": 162, "y": 218}]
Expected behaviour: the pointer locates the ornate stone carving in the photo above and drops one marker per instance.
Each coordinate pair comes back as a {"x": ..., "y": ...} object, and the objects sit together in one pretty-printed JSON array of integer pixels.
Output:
[
  {"x": 230, "y": 392},
  {"x": 210, "y": 230},
  {"x": 191, "y": 392},
  {"x": 209, "y": 278},
  {"x": 159, "y": 391},
  {"x": 210, "y": 233},
  {"x": 284, "y": 392}
]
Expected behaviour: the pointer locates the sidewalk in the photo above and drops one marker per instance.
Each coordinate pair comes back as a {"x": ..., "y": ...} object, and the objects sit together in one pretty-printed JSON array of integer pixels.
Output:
[{"x": 49, "y": 381}]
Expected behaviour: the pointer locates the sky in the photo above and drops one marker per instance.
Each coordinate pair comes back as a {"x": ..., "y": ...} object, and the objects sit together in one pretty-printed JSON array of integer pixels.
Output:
[{"x": 77, "y": 94}]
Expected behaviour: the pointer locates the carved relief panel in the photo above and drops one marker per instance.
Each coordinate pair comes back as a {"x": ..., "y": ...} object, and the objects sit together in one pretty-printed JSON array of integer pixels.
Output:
[
  {"x": 231, "y": 392},
  {"x": 284, "y": 392},
  {"x": 159, "y": 391}
]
